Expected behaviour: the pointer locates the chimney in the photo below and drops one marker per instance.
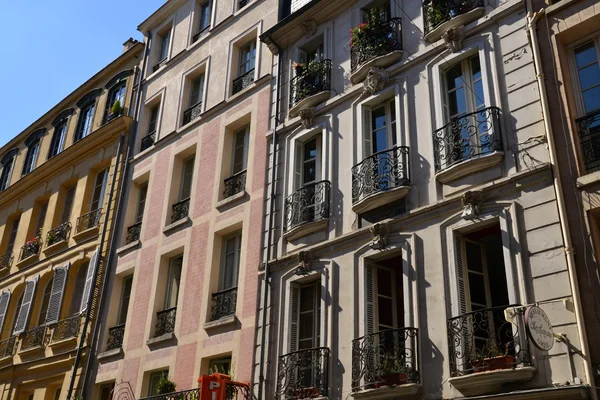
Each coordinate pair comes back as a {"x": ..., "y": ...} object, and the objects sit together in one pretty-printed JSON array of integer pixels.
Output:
[{"x": 129, "y": 44}]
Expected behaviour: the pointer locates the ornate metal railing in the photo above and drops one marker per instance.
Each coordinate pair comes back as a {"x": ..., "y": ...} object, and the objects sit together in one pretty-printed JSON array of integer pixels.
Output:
[
  {"x": 303, "y": 374},
  {"x": 192, "y": 113},
  {"x": 484, "y": 340},
  {"x": 243, "y": 81},
  {"x": 180, "y": 210},
  {"x": 466, "y": 137},
  {"x": 147, "y": 141},
  {"x": 34, "y": 338},
  {"x": 243, "y": 3},
  {"x": 31, "y": 248},
  {"x": 7, "y": 347},
  {"x": 235, "y": 184},
  {"x": 307, "y": 204},
  {"x": 58, "y": 234},
  {"x": 192, "y": 394},
  {"x": 88, "y": 221},
  {"x": 436, "y": 12},
  {"x": 6, "y": 261},
  {"x": 115, "y": 337},
  {"x": 377, "y": 41},
  {"x": 109, "y": 116},
  {"x": 380, "y": 172},
  {"x": 385, "y": 358},
  {"x": 159, "y": 65},
  {"x": 315, "y": 78},
  {"x": 223, "y": 303},
  {"x": 201, "y": 33},
  {"x": 133, "y": 233},
  {"x": 165, "y": 321},
  {"x": 66, "y": 328},
  {"x": 237, "y": 391},
  {"x": 589, "y": 137}
]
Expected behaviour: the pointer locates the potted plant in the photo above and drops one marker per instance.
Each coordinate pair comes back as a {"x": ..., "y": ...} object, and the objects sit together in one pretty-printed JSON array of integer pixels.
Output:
[
  {"x": 306, "y": 393},
  {"x": 493, "y": 360},
  {"x": 165, "y": 385},
  {"x": 395, "y": 372}
]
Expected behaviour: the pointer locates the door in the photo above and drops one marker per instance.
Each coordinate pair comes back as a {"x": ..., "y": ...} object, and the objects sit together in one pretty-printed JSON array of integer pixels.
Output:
[{"x": 309, "y": 202}]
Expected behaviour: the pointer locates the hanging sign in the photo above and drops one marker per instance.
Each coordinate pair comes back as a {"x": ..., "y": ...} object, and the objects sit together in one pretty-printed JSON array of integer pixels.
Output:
[{"x": 539, "y": 328}]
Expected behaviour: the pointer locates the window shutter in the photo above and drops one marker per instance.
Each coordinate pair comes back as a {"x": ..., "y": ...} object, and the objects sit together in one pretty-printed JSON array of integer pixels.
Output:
[
  {"x": 367, "y": 142},
  {"x": 4, "y": 300},
  {"x": 23, "y": 315},
  {"x": 294, "y": 317},
  {"x": 460, "y": 274},
  {"x": 89, "y": 281},
  {"x": 56, "y": 294},
  {"x": 369, "y": 299},
  {"x": 298, "y": 167}
]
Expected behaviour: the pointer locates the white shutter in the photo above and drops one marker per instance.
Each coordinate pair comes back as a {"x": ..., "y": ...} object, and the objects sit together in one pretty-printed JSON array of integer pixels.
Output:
[
  {"x": 4, "y": 300},
  {"x": 369, "y": 299},
  {"x": 23, "y": 315},
  {"x": 56, "y": 294},
  {"x": 367, "y": 133},
  {"x": 89, "y": 281},
  {"x": 294, "y": 317},
  {"x": 298, "y": 166},
  {"x": 460, "y": 274}
]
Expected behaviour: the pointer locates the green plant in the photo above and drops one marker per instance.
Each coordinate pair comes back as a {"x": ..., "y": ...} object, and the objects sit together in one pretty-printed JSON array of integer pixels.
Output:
[
  {"x": 116, "y": 107},
  {"x": 165, "y": 385},
  {"x": 373, "y": 34}
]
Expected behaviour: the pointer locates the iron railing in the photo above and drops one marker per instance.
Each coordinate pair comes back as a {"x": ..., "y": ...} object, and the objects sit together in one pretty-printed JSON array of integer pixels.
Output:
[
  {"x": 147, "y": 141},
  {"x": 314, "y": 78},
  {"x": 159, "y": 65},
  {"x": 88, "y": 221},
  {"x": 235, "y": 184},
  {"x": 307, "y": 204},
  {"x": 31, "y": 248},
  {"x": 6, "y": 261},
  {"x": 192, "y": 113},
  {"x": 303, "y": 374},
  {"x": 223, "y": 303},
  {"x": 436, "y": 12},
  {"x": 378, "y": 40},
  {"x": 7, "y": 347},
  {"x": 181, "y": 210},
  {"x": 133, "y": 233},
  {"x": 192, "y": 394},
  {"x": 34, "y": 338},
  {"x": 243, "y": 81},
  {"x": 484, "y": 340},
  {"x": 466, "y": 137},
  {"x": 109, "y": 116},
  {"x": 58, "y": 234},
  {"x": 165, "y": 322},
  {"x": 385, "y": 358},
  {"x": 237, "y": 391},
  {"x": 243, "y": 3},
  {"x": 66, "y": 328},
  {"x": 380, "y": 172},
  {"x": 589, "y": 137},
  {"x": 201, "y": 33},
  {"x": 115, "y": 337}
]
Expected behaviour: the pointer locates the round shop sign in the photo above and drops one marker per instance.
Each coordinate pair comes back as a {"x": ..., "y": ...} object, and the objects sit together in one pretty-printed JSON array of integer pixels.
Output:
[{"x": 539, "y": 328}]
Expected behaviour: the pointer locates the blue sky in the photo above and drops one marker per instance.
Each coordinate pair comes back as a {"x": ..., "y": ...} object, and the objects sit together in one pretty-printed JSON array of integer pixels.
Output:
[{"x": 56, "y": 45}]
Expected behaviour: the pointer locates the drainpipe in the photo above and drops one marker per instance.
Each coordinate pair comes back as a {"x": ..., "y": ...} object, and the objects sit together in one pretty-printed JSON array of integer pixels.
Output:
[
  {"x": 560, "y": 202},
  {"x": 261, "y": 378}
]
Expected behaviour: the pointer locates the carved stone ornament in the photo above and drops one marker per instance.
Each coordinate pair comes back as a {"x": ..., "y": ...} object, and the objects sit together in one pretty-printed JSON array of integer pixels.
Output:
[
  {"x": 380, "y": 234},
  {"x": 307, "y": 116},
  {"x": 471, "y": 202},
  {"x": 309, "y": 27},
  {"x": 375, "y": 81},
  {"x": 453, "y": 38},
  {"x": 304, "y": 259}
]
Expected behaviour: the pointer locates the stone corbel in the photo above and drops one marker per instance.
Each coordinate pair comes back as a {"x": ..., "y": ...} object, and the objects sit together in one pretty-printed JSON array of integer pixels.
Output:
[
  {"x": 309, "y": 27},
  {"x": 375, "y": 81},
  {"x": 380, "y": 234},
  {"x": 304, "y": 259},
  {"x": 307, "y": 116},
  {"x": 453, "y": 38},
  {"x": 471, "y": 202}
]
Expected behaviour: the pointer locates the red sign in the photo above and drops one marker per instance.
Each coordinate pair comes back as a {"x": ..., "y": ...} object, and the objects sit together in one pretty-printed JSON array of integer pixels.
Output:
[{"x": 212, "y": 387}]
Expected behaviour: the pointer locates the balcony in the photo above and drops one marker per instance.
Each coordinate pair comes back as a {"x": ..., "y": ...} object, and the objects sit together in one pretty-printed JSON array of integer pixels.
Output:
[
  {"x": 67, "y": 328},
  {"x": 59, "y": 234},
  {"x": 160, "y": 64},
  {"x": 376, "y": 43},
  {"x": 310, "y": 86},
  {"x": 468, "y": 144},
  {"x": 380, "y": 179},
  {"x": 486, "y": 350},
  {"x": 201, "y": 33},
  {"x": 243, "y": 81},
  {"x": 235, "y": 184},
  {"x": 31, "y": 248},
  {"x": 6, "y": 261},
  {"x": 33, "y": 338},
  {"x": 7, "y": 347},
  {"x": 192, "y": 394},
  {"x": 133, "y": 233},
  {"x": 147, "y": 141},
  {"x": 223, "y": 303},
  {"x": 88, "y": 221},
  {"x": 443, "y": 15},
  {"x": 109, "y": 116},
  {"x": 307, "y": 210},
  {"x": 589, "y": 138},
  {"x": 180, "y": 210},
  {"x": 165, "y": 323},
  {"x": 115, "y": 337},
  {"x": 192, "y": 113},
  {"x": 303, "y": 374}
]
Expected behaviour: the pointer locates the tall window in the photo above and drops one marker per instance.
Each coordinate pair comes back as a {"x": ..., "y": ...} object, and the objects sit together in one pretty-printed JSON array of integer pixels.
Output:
[
  {"x": 12, "y": 237},
  {"x": 464, "y": 89},
  {"x": 384, "y": 300},
  {"x": 230, "y": 262},
  {"x": 6, "y": 164},
  {"x": 106, "y": 391},
  {"x": 240, "y": 150},
  {"x": 306, "y": 316},
  {"x": 41, "y": 218},
  {"x": 78, "y": 289},
  {"x": 153, "y": 381},
  {"x": 57, "y": 145},
  {"x": 588, "y": 75},
  {"x": 98, "y": 191},
  {"x": 247, "y": 58},
  {"x": 173, "y": 282},
  {"x": 68, "y": 205},
  {"x": 33, "y": 150},
  {"x": 86, "y": 119},
  {"x": 45, "y": 302},
  {"x": 187, "y": 175},
  {"x": 221, "y": 365},
  {"x": 380, "y": 128},
  {"x": 139, "y": 215},
  {"x": 196, "y": 91},
  {"x": 164, "y": 41},
  {"x": 153, "y": 120},
  {"x": 204, "y": 16},
  {"x": 115, "y": 94},
  {"x": 124, "y": 303}
]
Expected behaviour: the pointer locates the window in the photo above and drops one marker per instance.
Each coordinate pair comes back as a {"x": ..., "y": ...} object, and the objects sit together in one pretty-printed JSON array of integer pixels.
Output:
[
  {"x": 196, "y": 91},
  {"x": 115, "y": 94},
  {"x": 380, "y": 128},
  {"x": 7, "y": 163},
  {"x": 588, "y": 75},
  {"x": 243, "y": 3},
  {"x": 106, "y": 391},
  {"x": 164, "y": 41},
  {"x": 78, "y": 289},
  {"x": 306, "y": 316},
  {"x": 230, "y": 261},
  {"x": 41, "y": 218},
  {"x": 45, "y": 302},
  {"x": 139, "y": 215},
  {"x": 247, "y": 58},
  {"x": 68, "y": 205},
  {"x": 125, "y": 296},
  {"x": 153, "y": 120},
  {"x": 240, "y": 150},
  {"x": 384, "y": 288},
  {"x": 33, "y": 150},
  {"x": 98, "y": 191},
  {"x": 203, "y": 19},
  {"x": 153, "y": 381},
  {"x": 86, "y": 118},
  {"x": 187, "y": 175},
  {"x": 464, "y": 89},
  {"x": 12, "y": 237},
  {"x": 221, "y": 365},
  {"x": 16, "y": 316},
  {"x": 57, "y": 145},
  {"x": 173, "y": 282}
]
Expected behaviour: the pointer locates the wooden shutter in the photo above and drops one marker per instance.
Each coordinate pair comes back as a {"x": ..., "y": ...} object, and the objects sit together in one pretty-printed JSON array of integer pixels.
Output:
[
  {"x": 367, "y": 133},
  {"x": 89, "y": 281},
  {"x": 294, "y": 317},
  {"x": 56, "y": 294},
  {"x": 369, "y": 299},
  {"x": 460, "y": 274},
  {"x": 298, "y": 166},
  {"x": 4, "y": 300},
  {"x": 23, "y": 315}
]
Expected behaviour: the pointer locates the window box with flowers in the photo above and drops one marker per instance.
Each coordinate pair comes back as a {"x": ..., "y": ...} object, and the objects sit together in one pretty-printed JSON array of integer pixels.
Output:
[
  {"x": 31, "y": 248},
  {"x": 442, "y": 15},
  {"x": 310, "y": 86}
]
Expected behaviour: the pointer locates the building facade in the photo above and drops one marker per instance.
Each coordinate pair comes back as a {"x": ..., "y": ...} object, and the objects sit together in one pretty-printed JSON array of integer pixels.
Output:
[
  {"x": 58, "y": 183},
  {"x": 183, "y": 297},
  {"x": 416, "y": 217}
]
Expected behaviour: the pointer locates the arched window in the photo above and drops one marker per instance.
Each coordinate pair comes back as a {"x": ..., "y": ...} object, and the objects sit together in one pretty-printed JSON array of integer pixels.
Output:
[
  {"x": 116, "y": 92},
  {"x": 78, "y": 289},
  {"x": 33, "y": 150},
  {"x": 45, "y": 302},
  {"x": 87, "y": 109},
  {"x": 6, "y": 164},
  {"x": 61, "y": 124}
]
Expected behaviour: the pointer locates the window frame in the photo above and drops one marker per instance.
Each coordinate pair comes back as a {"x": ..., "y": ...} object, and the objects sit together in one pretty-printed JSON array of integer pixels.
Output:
[
  {"x": 169, "y": 284},
  {"x": 184, "y": 164},
  {"x": 237, "y": 255},
  {"x": 154, "y": 377},
  {"x": 85, "y": 123},
  {"x": 59, "y": 135},
  {"x": 249, "y": 49},
  {"x": 8, "y": 164},
  {"x": 45, "y": 303},
  {"x": 33, "y": 143},
  {"x": 578, "y": 95},
  {"x": 100, "y": 199},
  {"x": 164, "y": 44},
  {"x": 245, "y": 144},
  {"x": 141, "y": 202},
  {"x": 122, "y": 308},
  {"x": 12, "y": 238}
]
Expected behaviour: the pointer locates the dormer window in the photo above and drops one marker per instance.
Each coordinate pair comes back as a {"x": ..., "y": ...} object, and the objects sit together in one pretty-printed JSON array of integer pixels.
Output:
[
  {"x": 6, "y": 164},
  {"x": 33, "y": 150},
  {"x": 87, "y": 107},
  {"x": 61, "y": 125}
]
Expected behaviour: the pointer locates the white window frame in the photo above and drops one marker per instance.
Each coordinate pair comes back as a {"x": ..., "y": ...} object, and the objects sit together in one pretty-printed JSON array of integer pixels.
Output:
[
  {"x": 201, "y": 68},
  {"x": 102, "y": 190},
  {"x": 235, "y": 45},
  {"x": 323, "y": 163},
  {"x": 246, "y": 129},
  {"x": 237, "y": 259},
  {"x": 169, "y": 287},
  {"x": 182, "y": 178},
  {"x": 573, "y": 69},
  {"x": 322, "y": 30}
]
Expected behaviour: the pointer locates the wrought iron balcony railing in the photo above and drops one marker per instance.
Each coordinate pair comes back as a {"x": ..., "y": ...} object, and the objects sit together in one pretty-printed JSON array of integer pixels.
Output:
[
  {"x": 484, "y": 340},
  {"x": 192, "y": 113},
  {"x": 223, "y": 303},
  {"x": 243, "y": 3},
  {"x": 589, "y": 137},
  {"x": 382, "y": 171},
  {"x": 385, "y": 358},
  {"x": 235, "y": 184},
  {"x": 237, "y": 391},
  {"x": 109, "y": 116},
  {"x": 303, "y": 374},
  {"x": 180, "y": 210},
  {"x": 243, "y": 81},
  {"x": 201, "y": 33},
  {"x": 6, "y": 261},
  {"x": 192, "y": 394},
  {"x": 58, "y": 234},
  {"x": 147, "y": 141},
  {"x": 7, "y": 347},
  {"x": 466, "y": 137},
  {"x": 31, "y": 248},
  {"x": 436, "y": 12},
  {"x": 34, "y": 338},
  {"x": 133, "y": 233},
  {"x": 165, "y": 322},
  {"x": 314, "y": 78},
  {"x": 88, "y": 221},
  {"x": 159, "y": 65},
  {"x": 115, "y": 337},
  {"x": 307, "y": 204},
  {"x": 66, "y": 328},
  {"x": 376, "y": 41}
]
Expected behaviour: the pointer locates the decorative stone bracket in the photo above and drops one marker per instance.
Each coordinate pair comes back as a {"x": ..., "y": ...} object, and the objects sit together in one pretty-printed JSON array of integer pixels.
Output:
[
  {"x": 304, "y": 259},
  {"x": 380, "y": 234},
  {"x": 307, "y": 116},
  {"x": 375, "y": 81},
  {"x": 471, "y": 202},
  {"x": 453, "y": 38}
]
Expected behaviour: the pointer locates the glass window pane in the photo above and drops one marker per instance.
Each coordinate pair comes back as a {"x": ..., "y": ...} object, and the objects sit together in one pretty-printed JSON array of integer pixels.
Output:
[
  {"x": 384, "y": 282},
  {"x": 475, "y": 68},
  {"x": 589, "y": 76},
  {"x": 591, "y": 99},
  {"x": 458, "y": 104},
  {"x": 306, "y": 325},
  {"x": 585, "y": 54},
  {"x": 479, "y": 99},
  {"x": 385, "y": 312},
  {"x": 477, "y": 288},
  {"x": 306, "y": 298},
  {"x": 474, "y": 261},
  {"x": 454, "y": 77}
]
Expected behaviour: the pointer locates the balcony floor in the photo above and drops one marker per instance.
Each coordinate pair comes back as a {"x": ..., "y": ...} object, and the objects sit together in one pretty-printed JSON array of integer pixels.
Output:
[
  {"x": 490, "y": 381},
  {"x": 383, "y": 61}
]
